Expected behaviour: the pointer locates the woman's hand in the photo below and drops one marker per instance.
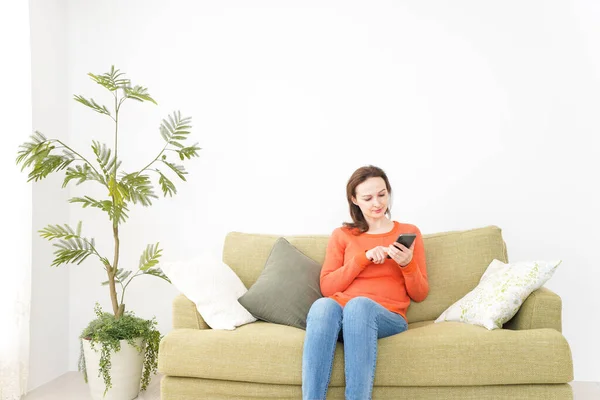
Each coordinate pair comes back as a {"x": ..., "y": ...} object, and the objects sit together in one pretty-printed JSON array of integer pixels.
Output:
[
  {"x": 403, "y": 255},
  {"x": 377, "y": 254}
]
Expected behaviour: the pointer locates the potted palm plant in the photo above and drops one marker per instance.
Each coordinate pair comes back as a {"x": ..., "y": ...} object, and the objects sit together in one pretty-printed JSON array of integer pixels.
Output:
[{"x": 119, "y": 350}]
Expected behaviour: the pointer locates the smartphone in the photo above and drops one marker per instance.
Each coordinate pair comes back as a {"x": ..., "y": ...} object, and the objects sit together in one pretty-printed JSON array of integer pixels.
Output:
[{"x": 406, "y": 239}]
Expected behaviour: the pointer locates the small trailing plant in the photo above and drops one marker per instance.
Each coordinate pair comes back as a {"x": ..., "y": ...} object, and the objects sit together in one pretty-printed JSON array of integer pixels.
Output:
[
  {"x": 123, "y": 189},
  {"x": 106, "y": 331}
]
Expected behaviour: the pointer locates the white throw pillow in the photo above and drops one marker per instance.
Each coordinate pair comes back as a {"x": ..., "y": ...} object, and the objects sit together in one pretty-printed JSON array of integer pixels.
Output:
[
  {"x": 500, "y": 293},
  {"x": 213, "y": 287}
]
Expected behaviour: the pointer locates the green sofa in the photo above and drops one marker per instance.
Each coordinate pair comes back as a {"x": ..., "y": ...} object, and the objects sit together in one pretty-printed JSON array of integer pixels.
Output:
[{"x": 528, "y": 359}]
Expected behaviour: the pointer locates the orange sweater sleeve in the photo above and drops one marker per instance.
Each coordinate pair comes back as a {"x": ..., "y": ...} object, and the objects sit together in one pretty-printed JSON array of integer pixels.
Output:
[
  {"x": 415, "y": 272},
  {"x": 336, "y": 275}
]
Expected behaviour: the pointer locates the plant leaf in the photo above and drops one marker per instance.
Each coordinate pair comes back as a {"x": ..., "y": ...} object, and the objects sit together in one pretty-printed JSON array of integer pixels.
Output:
[
  {"x": 166, "y": 185},
  {"x": 189, "y": 152},
  {"x": 156, "y": 271},
  {"x": 174, "y": 128},
  {"x": 37, "y": 153},
  {"x": 115, "y": 191},
  {"x": 114, "y": 213},
  {"x": 149, "y": 257},
  {"x": 120, "y": 213},
  {"x": 111, "y": 80},
  {"x": 138, "y": 93},
  {"x": 87, "y": 201},
  {"x": 137, "y": 188},
  {"x": 47, "y": 165},
  {"x": 82, "y": 173},
  {"x": 72, "y": 247},
  {"x": 30, "y": 149},
  {"x": 51, "y": 232},
  {"x": 91, "y": 103},
  {"x": 178, "y": 169},
  {"x": 103, "y": 156}
]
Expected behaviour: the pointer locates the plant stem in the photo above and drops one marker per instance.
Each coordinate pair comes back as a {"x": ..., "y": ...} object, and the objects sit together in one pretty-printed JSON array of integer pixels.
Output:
[
  {"x": 127, "y": 284},
  {"x": 153, "y": 161},
  {"x": 117, "y": 308},
  {"x": 111, "y": 275}
]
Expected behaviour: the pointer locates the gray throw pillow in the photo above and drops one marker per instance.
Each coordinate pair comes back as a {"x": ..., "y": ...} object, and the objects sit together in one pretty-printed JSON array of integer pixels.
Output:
[{"x": 286, "y": 288}]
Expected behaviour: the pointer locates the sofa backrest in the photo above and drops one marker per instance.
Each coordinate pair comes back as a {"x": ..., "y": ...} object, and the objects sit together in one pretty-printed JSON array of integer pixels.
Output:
[{"x": 455, "y": 261}]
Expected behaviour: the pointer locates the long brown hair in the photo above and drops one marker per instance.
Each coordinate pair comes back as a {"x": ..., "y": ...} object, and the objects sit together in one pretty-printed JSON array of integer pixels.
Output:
[{"x": 359, "y": 223}]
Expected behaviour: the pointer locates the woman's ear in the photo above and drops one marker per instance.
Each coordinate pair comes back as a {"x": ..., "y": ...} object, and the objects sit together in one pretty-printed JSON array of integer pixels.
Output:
[{"x": 354, "y": 201}]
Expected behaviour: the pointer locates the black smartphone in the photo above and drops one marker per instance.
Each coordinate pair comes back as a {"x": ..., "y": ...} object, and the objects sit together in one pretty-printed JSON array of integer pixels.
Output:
[{"x": 406, "y": 239}]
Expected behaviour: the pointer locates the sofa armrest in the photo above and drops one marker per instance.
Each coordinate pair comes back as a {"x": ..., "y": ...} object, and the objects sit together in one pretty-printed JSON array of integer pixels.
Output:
[
  {"x": 542, "y": 309},
  {"x": 185, "y": 314}
]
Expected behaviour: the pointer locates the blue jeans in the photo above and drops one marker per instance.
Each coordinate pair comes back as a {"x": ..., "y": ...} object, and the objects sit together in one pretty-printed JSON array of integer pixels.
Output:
[{"x": 362, "y": 321}]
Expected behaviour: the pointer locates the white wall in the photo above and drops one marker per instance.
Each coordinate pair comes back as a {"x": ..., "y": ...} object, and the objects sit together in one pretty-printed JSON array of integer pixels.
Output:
[
  {"x": 480, "y": 113},
  {"x": 49, "y": 352},
  {"x": 16, "y": 211}
]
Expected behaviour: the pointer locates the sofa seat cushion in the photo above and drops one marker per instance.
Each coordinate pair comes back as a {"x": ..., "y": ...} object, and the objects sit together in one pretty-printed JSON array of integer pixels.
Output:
[{"x": 443, "y": 354}]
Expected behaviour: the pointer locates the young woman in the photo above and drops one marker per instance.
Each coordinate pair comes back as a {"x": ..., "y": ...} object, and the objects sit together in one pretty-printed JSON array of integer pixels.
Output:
[{"x": 366, "y": 294}]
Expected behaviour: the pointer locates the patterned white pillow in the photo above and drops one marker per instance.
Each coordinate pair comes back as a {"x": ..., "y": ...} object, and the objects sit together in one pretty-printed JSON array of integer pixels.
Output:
[{"x": 500, "y": 293}]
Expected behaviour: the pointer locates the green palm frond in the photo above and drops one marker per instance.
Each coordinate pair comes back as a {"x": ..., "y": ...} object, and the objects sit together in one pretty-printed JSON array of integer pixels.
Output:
[
  {"x": 37, "y": 153},
  {"x": 137, "y": 189},
  {"x": 68, "y": 253},
  {"x": 156, "y": 271},
  {"x": 87, "y": 201},
  {"x": 60, "y": 232},
  {"x": 51, "y": 163},
  {"x": 138, "y": 93},
  {"x": 82, "y": 173},
  {"x": 112, "y": 80},
  {"x": 149, "y": 257},
  {"x": 175, "y": 129},
  {"x": 178, "y": 169},
  {"x": 114, "y": 213},
  {"x": 72, "y": 247},
  {"x": 119, "y": 213},
  {"x": 38, "y": 147},
  {"x": 166, "y": 185},
  {"x": 107, "y": 161},
  {"x": 188, "y": 152},
  {"x": 91, "y": 103}
]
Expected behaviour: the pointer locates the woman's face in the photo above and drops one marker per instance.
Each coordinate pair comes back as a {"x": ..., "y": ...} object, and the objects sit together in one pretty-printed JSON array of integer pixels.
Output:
[{"x": 372, "y": 198}]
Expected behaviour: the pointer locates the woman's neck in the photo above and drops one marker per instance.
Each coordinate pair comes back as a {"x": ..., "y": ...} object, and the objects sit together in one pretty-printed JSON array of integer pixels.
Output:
[{"x": 380, "y": 226}]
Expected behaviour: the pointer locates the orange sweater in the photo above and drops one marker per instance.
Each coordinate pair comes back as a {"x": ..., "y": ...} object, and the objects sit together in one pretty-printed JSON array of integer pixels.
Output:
[{"x": 348, "y": 273}]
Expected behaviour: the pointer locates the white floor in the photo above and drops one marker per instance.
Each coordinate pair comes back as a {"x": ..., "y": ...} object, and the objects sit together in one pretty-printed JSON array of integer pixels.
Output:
[{"x": 71, "y": 386}]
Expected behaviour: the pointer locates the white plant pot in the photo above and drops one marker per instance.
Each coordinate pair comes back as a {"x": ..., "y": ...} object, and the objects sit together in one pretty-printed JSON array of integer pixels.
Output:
[{"x": 125, "y": 371}]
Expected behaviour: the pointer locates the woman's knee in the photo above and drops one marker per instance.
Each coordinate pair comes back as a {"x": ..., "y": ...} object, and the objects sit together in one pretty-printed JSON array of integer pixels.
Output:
[
  {"x": 359, "y": 306},
  {"x": 324, "y": 309}
]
